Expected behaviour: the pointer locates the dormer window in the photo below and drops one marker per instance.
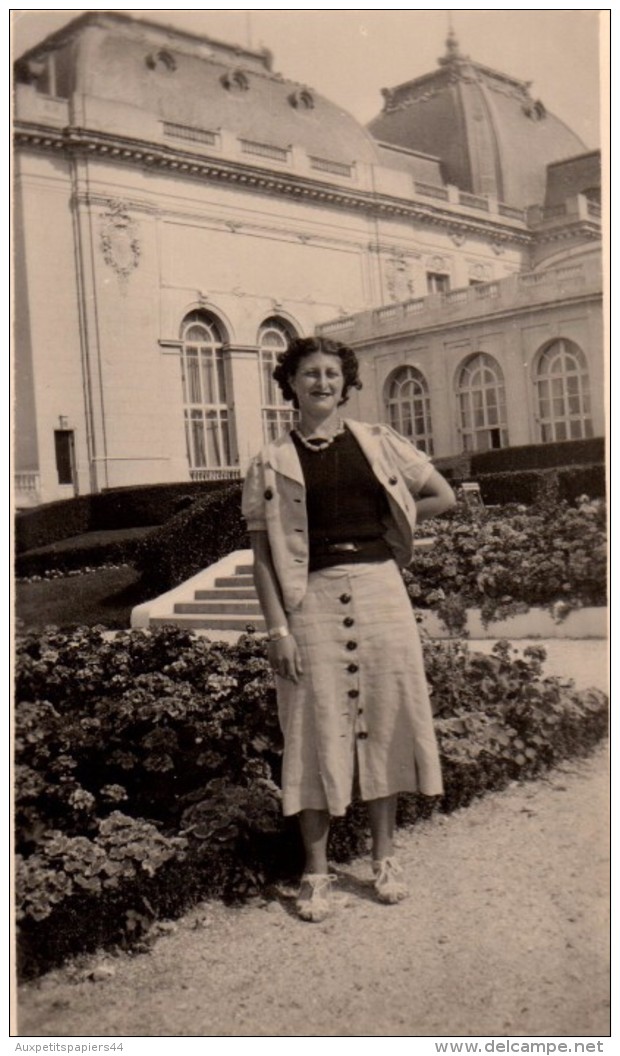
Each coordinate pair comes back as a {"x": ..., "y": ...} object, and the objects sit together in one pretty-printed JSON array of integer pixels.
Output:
[
  {"x": 41, "y": 73},
  {"x": 236, "y": 81},
  {"x": 302, "y": 99},
  {"x": 162, "y": 60}
]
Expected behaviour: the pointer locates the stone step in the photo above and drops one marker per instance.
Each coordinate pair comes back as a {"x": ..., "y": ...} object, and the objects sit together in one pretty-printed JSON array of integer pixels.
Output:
[
  {"x": 225, "y": 594},
  {"x": 234, "y": 581},
  {"x": 234, "y": 608},
  {"x": 244, "y": 570},
  {"x": 195, "y": 622}
]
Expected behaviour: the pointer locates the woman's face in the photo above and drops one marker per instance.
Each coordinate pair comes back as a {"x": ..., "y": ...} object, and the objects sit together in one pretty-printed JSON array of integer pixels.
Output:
[{"x": 318, "y": 384}]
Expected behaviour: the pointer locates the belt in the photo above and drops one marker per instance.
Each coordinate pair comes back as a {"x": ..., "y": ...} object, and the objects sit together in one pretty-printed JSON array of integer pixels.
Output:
[{"x": 348, "y": 547}]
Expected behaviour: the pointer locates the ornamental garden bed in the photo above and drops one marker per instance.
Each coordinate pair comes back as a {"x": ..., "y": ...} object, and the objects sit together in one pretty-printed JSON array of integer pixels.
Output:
[
  {"x": 147, "y": 770},
  {"x": 502, "y": 561}
]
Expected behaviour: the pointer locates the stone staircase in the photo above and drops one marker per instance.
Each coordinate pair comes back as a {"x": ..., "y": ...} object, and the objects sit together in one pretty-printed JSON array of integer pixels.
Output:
[
  {"x": 229, "y": 605},
  {"x": 219, "y": 601}
]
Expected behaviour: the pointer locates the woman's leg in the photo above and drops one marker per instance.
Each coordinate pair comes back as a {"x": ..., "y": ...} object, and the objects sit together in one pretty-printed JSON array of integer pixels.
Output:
[
  {"x": 389, "y": 884},
  {"x": 315, "y": 900},
  {"x": 382, "y": 815},
  {"x": 314, "y": 826}
]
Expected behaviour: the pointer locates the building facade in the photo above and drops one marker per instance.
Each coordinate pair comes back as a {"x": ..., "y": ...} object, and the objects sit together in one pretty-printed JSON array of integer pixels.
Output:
[{"x": 181, "y": 211}]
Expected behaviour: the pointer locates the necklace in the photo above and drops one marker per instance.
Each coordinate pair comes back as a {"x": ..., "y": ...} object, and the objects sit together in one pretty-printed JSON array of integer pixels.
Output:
[{"x": 319, "y": 443}]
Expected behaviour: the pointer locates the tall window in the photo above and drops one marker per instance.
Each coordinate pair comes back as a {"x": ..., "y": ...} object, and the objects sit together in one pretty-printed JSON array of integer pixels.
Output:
[
  {"x": 563, "y": 389},
  {"x": 482, "y": 404},
  {"x": 204, "y": 394},
  {"x": 408, "y": 407},
  {"x": 278, "y": 415}
]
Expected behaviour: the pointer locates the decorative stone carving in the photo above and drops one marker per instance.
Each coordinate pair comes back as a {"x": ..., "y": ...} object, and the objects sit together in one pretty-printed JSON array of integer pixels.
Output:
[
  {"x": 437, "y": 263},
  {"x": 480, "y": 272},
  {"x": 457, "y": 235},
  {"x": 498, "y": 248},
  {"x": 398, "y": 279},
  {"x": 119, "y": 240}
]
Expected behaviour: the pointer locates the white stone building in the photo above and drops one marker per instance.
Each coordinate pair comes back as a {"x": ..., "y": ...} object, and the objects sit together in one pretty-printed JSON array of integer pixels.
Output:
[{"x": 181, "y": 210}]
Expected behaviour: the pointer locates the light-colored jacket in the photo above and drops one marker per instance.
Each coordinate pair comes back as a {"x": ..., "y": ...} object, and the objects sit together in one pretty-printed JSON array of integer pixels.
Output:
[{"x": 274, "y": 500}]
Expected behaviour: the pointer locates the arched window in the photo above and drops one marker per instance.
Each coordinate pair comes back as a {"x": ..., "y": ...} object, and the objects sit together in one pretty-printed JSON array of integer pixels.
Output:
[
  {"x": 563, "y": 390},
  {"x": 204, "y": 395},
  {"x": 278, "y": 414},
  {"x": 408, "y": 407},
  {"x": 482, "y": 404}
]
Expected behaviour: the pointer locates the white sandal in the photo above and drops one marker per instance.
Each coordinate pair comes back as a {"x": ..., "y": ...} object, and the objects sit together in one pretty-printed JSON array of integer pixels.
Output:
[
  {"x": 389, "y": 885},
  {"x": 316, "y": 899}
]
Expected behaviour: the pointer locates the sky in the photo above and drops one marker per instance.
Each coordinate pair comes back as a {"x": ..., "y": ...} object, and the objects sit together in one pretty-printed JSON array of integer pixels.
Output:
[{"x": 349, "y": 55}]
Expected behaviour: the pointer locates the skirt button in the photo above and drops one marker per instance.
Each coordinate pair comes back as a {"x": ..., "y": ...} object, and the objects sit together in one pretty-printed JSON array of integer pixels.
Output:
[
  {"x": 362, "y": 736},
  {"x": 351, "y": 646}
]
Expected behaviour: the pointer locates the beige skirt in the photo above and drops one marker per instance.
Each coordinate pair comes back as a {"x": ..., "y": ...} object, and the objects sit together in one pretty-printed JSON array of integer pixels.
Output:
[{"x": 362, "y": 704}]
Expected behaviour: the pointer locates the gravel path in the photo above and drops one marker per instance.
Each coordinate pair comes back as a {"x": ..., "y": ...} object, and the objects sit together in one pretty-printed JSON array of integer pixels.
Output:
[{"x": 506, "y": 933}]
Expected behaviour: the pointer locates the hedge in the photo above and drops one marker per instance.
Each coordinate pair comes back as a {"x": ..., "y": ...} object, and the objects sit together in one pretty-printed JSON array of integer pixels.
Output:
[
  {"x": 52, "y": 522},
  {"x": 529, "y": 486},
  {"x": 197, "y": 537},
  {"x": 147, "y": 771},
  {"x": 87, "y": 551},
  {"x": 502, "y": 560},
  {"x": 139, "y": 507},
  {"x": 538, "y": 456}
]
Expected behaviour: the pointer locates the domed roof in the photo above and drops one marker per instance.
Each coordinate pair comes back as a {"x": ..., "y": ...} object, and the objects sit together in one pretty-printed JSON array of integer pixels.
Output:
[
  {"x": 203, "y": 83},
  {"x": 492, "y": 137}
]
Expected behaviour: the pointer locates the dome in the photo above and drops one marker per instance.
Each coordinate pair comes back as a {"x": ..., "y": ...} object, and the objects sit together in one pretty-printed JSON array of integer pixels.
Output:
[
  {"x": 199, "y": 82},
  {"x": 492, "y": 137}
]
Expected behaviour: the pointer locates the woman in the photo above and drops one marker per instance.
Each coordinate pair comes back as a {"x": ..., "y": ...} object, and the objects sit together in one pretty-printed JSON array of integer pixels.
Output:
[{"x": 331, "y": 509}]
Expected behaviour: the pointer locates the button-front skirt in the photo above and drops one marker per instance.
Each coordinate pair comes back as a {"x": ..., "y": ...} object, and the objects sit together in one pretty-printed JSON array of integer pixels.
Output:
[{"x": 362, "y": 704}]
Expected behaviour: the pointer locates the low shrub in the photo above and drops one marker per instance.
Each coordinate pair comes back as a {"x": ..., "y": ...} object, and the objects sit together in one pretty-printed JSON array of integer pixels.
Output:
[
  {"x": 539, "y": 456},
  {"x": 118, "y": 508},
  {"x": 197, "y": 537},
  {"x": 51, "y": 522},
  {"x": 85, "y": 551},
  {"x": 528, "y": 486},
  {"x": 147, "y": 771},
  {"x": 148, "y": 504}
]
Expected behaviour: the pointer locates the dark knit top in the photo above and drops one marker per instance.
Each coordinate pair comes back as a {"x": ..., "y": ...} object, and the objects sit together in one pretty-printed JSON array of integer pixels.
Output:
[{"x": 345, "y": 503}]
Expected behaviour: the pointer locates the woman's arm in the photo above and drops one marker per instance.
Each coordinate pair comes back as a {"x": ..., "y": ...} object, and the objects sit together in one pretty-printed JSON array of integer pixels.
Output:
[
  {"x": 283, "y": 654},
  {"x": 435, "y": 497}
]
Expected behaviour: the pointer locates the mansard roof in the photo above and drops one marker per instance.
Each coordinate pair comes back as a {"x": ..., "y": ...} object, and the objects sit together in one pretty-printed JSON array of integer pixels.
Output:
[{"x": 198, "y": 82}]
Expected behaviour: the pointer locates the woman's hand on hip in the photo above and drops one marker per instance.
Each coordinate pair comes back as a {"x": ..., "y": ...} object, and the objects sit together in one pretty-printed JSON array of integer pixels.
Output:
[{"x": 284, "y": 658}]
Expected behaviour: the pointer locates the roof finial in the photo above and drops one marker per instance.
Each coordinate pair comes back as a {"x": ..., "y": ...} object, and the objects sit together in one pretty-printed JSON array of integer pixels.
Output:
[
  {"x": 453, "y": 55},
  {"x": 452, "y": 44}
]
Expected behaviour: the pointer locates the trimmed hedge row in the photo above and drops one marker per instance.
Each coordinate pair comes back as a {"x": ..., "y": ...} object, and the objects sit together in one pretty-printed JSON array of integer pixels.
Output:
[
  {"x": 197, "y": 537},
  {"x": 88, "y": 551},
  {"x": 530, "y": 486},
  {"x": 140, "y": 507},
  {"x": 538, "y": 456},
  {"x": 147, "y": 769}
]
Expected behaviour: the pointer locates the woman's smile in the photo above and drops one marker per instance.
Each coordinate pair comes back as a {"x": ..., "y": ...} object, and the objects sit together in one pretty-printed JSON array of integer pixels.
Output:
[{"x": 318, "y": 383}]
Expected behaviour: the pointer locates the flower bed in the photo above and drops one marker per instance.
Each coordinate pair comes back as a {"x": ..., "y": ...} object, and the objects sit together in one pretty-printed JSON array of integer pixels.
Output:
[
  {"x": 506, "y": 560},
  {"x": 502, "y": 560},
  {"x": 147, "y": 769}
]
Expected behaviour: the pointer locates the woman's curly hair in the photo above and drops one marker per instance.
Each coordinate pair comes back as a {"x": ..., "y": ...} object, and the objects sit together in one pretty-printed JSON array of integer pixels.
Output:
[{"x": 300, "y": 347}]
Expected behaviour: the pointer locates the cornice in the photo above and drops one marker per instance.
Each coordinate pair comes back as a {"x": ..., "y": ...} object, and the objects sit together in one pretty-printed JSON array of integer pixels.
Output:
[
  {"x": 79, "y": 142},
  {"x": 584, "y": 229}
]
